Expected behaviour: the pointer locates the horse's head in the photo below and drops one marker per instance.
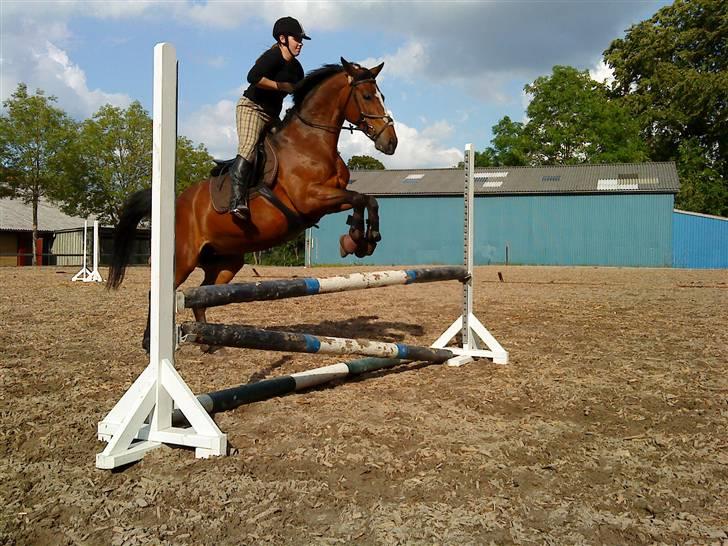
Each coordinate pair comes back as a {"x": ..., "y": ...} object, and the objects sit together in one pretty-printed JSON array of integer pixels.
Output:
[{"x": 366, "y": 110}]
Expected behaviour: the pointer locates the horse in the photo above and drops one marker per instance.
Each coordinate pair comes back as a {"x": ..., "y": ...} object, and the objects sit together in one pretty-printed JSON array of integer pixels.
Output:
[{"x": 311, "y": 181}]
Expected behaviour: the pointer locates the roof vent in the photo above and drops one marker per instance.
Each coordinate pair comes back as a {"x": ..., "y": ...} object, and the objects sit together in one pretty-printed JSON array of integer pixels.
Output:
[
  {"x": 412, "y": 178},
  {"x": 491, "y": 180},
  {"x": 551, "y": 178}
]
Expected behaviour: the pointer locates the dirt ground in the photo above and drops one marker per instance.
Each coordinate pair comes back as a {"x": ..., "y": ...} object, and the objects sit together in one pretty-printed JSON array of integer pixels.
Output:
[{"x": 609, "y": 425}]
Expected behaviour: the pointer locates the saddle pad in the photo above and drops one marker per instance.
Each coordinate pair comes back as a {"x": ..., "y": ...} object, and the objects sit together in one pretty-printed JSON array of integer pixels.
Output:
[{"x": 221, "y": 191}]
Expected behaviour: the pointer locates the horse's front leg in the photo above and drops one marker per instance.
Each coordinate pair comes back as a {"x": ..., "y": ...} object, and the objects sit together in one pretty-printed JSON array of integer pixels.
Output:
[
  {"x": 324, "y": 199},
  {"x": 361, "y": 241}
]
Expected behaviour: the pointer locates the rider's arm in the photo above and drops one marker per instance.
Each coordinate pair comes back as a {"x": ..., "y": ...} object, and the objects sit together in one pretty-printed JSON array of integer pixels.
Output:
[
  {"x": 265, "y": 83},
  {"x": 268, "y": 63}
]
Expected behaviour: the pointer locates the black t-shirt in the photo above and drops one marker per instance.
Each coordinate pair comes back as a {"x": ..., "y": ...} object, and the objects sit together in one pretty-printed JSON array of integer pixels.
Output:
[{"x": 273, "y": 66}]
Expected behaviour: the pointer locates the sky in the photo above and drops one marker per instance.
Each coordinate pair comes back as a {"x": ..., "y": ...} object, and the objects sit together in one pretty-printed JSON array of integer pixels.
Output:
[{"x": 452, "y": 69}]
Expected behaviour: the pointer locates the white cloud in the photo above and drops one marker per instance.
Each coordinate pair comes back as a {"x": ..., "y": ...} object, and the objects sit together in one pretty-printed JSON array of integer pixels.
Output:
[
  {"x": 33, "y": 53},
  {"x": 213, "y": 125},
  {"x": 601, "y": 72},
  {"x": 416, "y": 149},
  {"x": 406, "y": 63},
  {"x": 55, "y": 62},
  {"x": 216, "y": 62}
]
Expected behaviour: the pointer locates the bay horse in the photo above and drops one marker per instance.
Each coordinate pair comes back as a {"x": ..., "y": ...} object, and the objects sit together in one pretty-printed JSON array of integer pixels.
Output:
[{"x": 311, "y": 182}]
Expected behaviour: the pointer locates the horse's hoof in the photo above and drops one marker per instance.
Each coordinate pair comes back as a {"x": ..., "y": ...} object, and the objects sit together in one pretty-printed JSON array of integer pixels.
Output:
[
  {"x": 145, "y": 344},
  {"x": 346, "y": 245},
  {"x": 375, "y": 236}
]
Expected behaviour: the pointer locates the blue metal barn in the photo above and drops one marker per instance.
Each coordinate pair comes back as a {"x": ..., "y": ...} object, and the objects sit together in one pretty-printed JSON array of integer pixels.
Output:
[
  {"x": 700, "y": 241},
  {"x": 609, "y": 215}
]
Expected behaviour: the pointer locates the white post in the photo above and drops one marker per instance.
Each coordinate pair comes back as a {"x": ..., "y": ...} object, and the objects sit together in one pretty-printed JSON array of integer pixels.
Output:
[
  {"x": 84, "y": 273},
  {"x": 95, "y": 276},
  {"x": 159, "y": 387},
  {"x": 307, "y": 247},
  {"x": 474, "y": 334}
]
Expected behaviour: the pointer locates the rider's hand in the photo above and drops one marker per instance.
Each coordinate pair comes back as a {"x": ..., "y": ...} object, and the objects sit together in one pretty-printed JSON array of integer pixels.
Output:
[{"x": 285, "y": 86}]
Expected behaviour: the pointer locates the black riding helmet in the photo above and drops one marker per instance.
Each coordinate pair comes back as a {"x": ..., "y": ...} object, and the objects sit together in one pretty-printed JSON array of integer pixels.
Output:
[{"x": 288, "y": 26}]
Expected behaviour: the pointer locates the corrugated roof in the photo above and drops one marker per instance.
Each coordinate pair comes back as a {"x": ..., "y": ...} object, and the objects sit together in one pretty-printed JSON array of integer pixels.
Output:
[
  {"x": 17, "y": 216},
  {"x": 606, "y": 178}
]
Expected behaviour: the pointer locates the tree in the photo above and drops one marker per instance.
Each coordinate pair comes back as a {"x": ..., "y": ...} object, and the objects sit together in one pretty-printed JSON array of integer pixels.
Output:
[
  {"x": 35, "y": 138},
  {"x": 193, "y": 163},
  {"x": 114, "y": 154},
  {"x": 509, "y": 144},
  {"x": 672, "y": 73},
  {"x": 364, "y": 162},
  {"x": 572, "y": 120}
]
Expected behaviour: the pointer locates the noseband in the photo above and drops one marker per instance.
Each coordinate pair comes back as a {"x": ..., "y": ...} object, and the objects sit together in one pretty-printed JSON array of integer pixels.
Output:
[{"x": 363, "y": 117}]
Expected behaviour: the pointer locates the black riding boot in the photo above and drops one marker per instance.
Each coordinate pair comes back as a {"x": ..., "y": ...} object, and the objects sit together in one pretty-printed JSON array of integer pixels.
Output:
[{"x": 240, "y": 175}]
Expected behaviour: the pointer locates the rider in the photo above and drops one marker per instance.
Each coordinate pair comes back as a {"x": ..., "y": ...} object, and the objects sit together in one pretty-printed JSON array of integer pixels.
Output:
[{"x": 273, "y": 76}]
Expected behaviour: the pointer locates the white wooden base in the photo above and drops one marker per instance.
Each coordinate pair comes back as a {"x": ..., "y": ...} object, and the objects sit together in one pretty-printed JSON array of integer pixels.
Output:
[
  {"x": 142, "y": 420},
  {"x": 82, "y": 275},
  {"x": 93, "y": 276},
  {"x": 479, "y": 337}
]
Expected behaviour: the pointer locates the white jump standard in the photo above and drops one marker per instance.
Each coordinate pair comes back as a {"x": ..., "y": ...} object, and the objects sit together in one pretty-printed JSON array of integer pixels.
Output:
[
  {"x": 147, "y": 414},
  {"x": 159, "y": 388},
  {"x": 85, "y": 275}
]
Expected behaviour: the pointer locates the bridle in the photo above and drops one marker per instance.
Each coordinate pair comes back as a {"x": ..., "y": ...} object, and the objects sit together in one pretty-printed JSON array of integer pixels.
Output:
[{"x": 363, "y": 117}]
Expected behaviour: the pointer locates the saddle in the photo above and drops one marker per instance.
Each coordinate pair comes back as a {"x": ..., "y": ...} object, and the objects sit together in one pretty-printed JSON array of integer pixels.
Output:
[{"x": 265, "y": 168}]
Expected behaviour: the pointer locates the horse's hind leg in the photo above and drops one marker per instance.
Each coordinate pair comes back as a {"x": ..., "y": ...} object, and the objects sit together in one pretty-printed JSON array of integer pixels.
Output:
[{"x": 218, "y": 270}]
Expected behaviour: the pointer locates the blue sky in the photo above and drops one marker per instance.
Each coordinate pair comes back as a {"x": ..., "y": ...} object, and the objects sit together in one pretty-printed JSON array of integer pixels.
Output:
[{"x": 452, "y": 69}]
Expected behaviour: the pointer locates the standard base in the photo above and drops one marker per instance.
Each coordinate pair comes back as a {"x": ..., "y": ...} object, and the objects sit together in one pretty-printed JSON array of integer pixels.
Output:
[{"x": 479, "y": 337}]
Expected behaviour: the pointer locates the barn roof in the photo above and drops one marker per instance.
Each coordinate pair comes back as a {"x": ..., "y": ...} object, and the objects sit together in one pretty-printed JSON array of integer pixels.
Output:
[
  {"x": 15, "y": 215},
  {"x": 561, "y": 179}
]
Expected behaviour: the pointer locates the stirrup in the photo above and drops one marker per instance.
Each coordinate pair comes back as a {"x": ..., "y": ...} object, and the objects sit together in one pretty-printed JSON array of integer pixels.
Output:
[{"x": 241, "y": 212}]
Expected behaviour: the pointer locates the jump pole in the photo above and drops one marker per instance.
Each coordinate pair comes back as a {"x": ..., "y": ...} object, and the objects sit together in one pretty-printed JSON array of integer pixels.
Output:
[
  {"x": 233, "y": 397},
  {"x": 222, "y": 294},
  {"x": 152, "y": 396}
]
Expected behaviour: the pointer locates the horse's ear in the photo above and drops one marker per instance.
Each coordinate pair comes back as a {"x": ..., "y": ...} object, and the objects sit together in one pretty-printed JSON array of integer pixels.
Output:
[
  {"x": 376, "y": 70},
  {"x": 350, "y": 69}
]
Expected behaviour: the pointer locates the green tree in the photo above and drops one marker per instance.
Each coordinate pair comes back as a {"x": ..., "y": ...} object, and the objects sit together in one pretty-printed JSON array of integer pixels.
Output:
[
  {"x": 114, "y": 154},
  {"x": 35, "y": 138},
  {"x": 509, "y": 144},
  {"x": 572, "y": 120},
  {"x": 193, "y": 163},
  {"x": 364, "y": 162},
  {"x": 672, "y": 72},
  {"x": 114, "y": 151}
]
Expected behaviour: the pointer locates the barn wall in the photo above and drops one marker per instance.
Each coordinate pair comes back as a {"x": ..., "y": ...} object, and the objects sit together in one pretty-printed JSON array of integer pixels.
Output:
[
  {"x": 613, "y": 230},
  {"x": 68, "y": 248},
  {"x": 700, "y": 242}
]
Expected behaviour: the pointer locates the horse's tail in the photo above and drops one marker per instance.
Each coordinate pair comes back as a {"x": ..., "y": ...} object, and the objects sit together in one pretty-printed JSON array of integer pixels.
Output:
[{"x": 137, "y": 207}]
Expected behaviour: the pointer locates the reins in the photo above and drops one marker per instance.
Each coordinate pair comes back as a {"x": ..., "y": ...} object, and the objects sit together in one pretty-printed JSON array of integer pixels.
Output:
[{"x": 363, "y": 117}]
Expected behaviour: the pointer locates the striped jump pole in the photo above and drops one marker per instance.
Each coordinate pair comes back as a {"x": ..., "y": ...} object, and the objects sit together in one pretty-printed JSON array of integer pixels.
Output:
[
  {"x": 228, "y": 335},
  {"x": 214, "y": 295},
  {"x": 229, "y": 399}
]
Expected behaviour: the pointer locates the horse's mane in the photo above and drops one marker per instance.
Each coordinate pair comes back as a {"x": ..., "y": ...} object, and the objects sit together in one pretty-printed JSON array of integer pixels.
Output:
[
  {"x": 311, "y": 81},
  {"x": 307, "y": 84}
]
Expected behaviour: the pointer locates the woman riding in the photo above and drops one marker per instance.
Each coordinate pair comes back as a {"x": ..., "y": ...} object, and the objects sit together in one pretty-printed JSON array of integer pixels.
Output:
[{"x": 273, "y": 76}]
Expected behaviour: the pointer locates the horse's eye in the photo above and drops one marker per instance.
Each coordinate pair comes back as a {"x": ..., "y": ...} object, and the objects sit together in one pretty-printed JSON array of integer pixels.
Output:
[{"x": 367, "y": 96}]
